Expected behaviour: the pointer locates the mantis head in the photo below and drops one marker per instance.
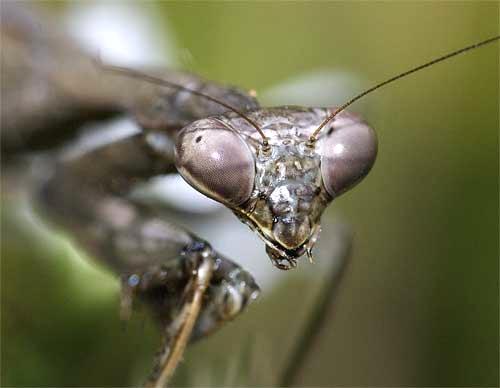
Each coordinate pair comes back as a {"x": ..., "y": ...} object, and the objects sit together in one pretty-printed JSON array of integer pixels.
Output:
[{"x": 279, "y": 189}]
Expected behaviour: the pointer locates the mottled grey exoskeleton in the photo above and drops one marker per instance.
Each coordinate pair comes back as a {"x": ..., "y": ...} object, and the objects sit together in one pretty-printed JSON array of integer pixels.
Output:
[{"x": 281, "y": 189}]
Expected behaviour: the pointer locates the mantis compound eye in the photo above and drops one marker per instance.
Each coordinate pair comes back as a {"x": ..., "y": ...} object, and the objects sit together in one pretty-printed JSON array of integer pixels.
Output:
[
  {"x": 216, "y": 161},
  {"x": 348, "y": 152}
]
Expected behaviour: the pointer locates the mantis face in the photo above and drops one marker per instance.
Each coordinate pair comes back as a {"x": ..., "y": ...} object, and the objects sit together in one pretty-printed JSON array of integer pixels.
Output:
[{"x": 279, "y": 190}]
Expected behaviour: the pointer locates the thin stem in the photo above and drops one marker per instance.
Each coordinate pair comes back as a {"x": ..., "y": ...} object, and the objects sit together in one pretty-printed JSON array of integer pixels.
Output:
[{"x": 322, "y": 310}]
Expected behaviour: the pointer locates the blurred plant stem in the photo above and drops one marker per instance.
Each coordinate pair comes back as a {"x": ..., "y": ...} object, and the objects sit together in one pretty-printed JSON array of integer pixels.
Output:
[{"x": 321, "y": 312}]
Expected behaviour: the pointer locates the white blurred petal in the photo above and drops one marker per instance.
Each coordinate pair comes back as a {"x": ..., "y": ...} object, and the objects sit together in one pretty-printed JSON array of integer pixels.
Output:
[
  {"x": 174, "y": 191},
  {"x": 122, "y": 32}
]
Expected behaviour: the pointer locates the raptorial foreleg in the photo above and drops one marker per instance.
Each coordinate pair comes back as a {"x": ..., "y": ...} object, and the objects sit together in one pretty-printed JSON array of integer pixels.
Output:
[{"x": 189, "y": 287}]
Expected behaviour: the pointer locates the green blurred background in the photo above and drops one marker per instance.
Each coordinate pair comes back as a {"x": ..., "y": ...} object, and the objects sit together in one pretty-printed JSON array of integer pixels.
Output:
[{"x": 419, "y": 304}]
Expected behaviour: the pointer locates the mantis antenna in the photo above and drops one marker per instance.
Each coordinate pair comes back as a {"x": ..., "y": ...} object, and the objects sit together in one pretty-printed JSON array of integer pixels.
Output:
[
  {"x": 312, "y": 139},
  {"x": 160, "y": 81}
]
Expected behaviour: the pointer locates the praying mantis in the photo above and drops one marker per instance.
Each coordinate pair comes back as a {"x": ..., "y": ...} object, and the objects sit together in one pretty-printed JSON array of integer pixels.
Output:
[{"x": 277, "y": 169}]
